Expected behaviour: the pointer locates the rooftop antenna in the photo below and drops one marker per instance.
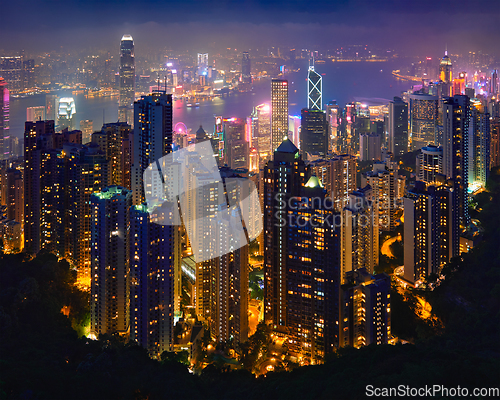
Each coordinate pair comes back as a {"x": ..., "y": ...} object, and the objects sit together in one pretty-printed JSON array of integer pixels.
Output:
[
  {"x": 311, "y": 58},
  {"x": 165, "y": 84},
  {"x": 103, "y": 111},
  {"x": 446, "y": 49}
]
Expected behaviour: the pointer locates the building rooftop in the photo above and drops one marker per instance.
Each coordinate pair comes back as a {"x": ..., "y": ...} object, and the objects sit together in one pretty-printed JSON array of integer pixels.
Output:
[
  {"x": 314, "y": 182},
  {"x": 287, "y": 147}
]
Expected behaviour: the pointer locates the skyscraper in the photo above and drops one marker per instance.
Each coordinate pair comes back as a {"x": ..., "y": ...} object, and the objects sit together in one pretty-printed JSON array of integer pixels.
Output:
[
  {"x": 127, "y": 80},
  {"x": 360, "y": 233},
  {"x": 110, "y": 290},
  {"x": 314, "y": 132},
  {"x": 152, "y": 136},
  {"x": 116, "y": 141},
  {"x": 279, "y": 112},
  {"x": 423, "y": 120},
  {"x": 365, "y": 312},
  {"x": 11, "y": 69},
  {"x": 338, "y": 176},
  {"x": 246, "y": 75},
  {"x": 494, "y": 83},
  {"x": 65, "y": 113},
  {"x": 495, "y": 142},
  {"x": 284, "y": 176},
  {"x": 312, "y": 268},
  {"x": 235, "y": 143},
  {"x": 222, "y": 281},
  {"x": 479, "y": 146},
  {"x": 261, "y": 132},
  {"x": 35, "y": 113},
  {"x": 333, "y": 113},
  {"x": 28, "y": 74},
  {"x": 87, "y": 128},
  {"x": 398, "y": 126},
  {"x": 51, "y": 107},
  {"x": 459, "y": 83},
  {"x": 445, "y": 75},
  {"x": 383, "y": 181},
  {"x": 431, "y": 229},
  {"x": 456, "y": 114},
  {"x": 87, "y": 172},
  {"x": 4, "y": 116},
  {"x": 202, "y": 64},
  {"x": 14, "y": 200},
  {"x": 429, "y": 163},
  {"x": 33, "y": 132},
  {"x": 154, "y": 292},
  {"x": 370, "y": 146},
  {"x": 314, "y": 89}
]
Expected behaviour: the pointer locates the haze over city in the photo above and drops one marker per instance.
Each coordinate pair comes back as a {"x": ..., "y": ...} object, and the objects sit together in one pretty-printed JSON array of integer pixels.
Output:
[{"x": 255, "y": 199}]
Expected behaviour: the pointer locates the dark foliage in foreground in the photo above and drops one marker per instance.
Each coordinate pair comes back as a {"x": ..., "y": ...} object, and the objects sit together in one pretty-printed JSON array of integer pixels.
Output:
[{"x": 41, "y": 356}]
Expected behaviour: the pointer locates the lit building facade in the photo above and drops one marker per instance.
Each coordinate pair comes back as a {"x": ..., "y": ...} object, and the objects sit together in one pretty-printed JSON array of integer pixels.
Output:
[
  {"x": 456, "y": 115},
  {"x": 236, "y": 145},
  {"x": 423, "y": 119},
  {"x": 153, "y": 134},
  {"x": 65, "y": 113},
  {"x": 116, "y": 141},
  {"x": 429, "y": 163},
  {"x": 431, "y": 229},
  {"x": 284, "y": 176},
  {"x": 370, "y": 146},
  {"x": 383, "y": 181},
  {"x": 261, "y": 132},
  {"x": 314, "y": 132},
  {"x": 4, "y": 116},
  {"x": 32, "y": 173},
  {"x": 222, "y": 281},
  {"x": 312, "y": 274},
  {"x": 314, "y": 89},
  {"x": 279, "y": 112},
  {"x": 110, "y": 290},
  {"x": 338, "y": 176},
  {"x": 479, "y": 147},
  {"x": 445, "y": 75},
  {"x": 154, "y": 290},
  {"x": 360, "y": 233},
  {"x": 11, "y": 69},
  {"x": 35, "y": 113},
  {"x": 365, "y": 312},
  {"x": 87, "y": 128},
  {"x": 127, "y": 80}
]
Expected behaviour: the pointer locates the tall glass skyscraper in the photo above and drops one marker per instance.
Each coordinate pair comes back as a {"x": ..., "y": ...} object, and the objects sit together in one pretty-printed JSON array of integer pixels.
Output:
[
  {"x": 314, "y": 89},
  {"x": 279, "y": 112},
  {"x": 127, "y": 80}
]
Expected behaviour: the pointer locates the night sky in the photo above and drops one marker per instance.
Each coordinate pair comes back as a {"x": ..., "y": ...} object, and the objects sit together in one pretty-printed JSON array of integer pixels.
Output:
[{"x": 413, "y": 26}]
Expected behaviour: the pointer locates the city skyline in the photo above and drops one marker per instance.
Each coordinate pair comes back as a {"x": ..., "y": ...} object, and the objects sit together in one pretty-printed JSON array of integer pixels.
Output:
[{"x": 314, "y": 197}]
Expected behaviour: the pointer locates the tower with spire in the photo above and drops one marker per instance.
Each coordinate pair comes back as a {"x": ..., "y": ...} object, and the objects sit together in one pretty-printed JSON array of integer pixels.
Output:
[
  {"x": 314, "y": 87},
  {"x": 445, "y": 74}
]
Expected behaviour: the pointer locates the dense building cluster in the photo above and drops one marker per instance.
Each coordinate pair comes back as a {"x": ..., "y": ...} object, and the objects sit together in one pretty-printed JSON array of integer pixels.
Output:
[{"x": 82, "y": 195}]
